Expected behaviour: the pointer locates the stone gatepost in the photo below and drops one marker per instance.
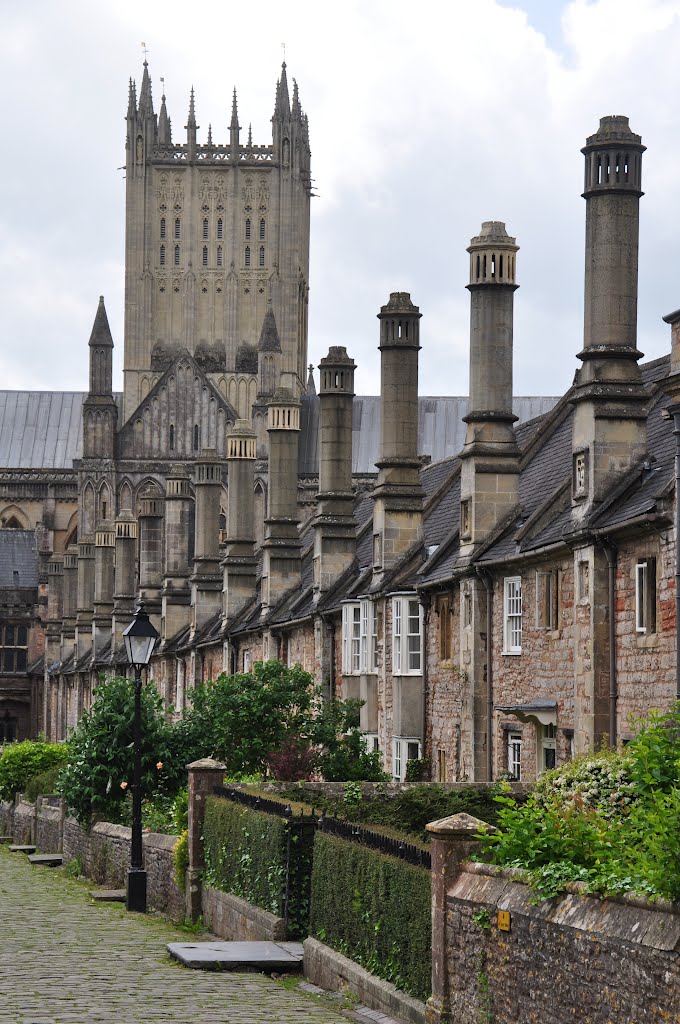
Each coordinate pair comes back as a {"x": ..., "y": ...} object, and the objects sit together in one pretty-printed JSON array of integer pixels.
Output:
[
  {"x": 204, "y": 775},
  {"x": 453, "y": 842}
]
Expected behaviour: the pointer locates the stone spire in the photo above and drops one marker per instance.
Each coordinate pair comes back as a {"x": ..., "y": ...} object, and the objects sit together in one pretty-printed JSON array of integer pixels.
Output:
[
  {"x": 210, "y": 141},
  {"x": 269, "y": 354},
  {"x": 100, "y": 413},
  {"x": 311, "y": 386},
  {"x": 234, "y": 126},
  {"x": 101, "y": 345},
  {"x": 269, "y": 335},
  {"x": 282, "y": 107},
  {"x": 101, "y": 332},
  {"x": 250, "y": 136},
  {"x": 164, "y": 131},
  {"x": 296, "y": 109},
  {"x": 191, "y": 126},
  {"x": 132, "y": 100},
  {"x": 145, "y": 98}
]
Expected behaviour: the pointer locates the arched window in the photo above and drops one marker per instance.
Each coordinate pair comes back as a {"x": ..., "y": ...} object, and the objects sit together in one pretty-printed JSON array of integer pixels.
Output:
[
  {"x": 219, "y": 228},
  {"x": 219, "y": 255},
  {"x": 205, "y": 255},
  {"x": 262, "y": 230},
  {"x": 205, "y": 227},
  {"x": 247, "y": 227},
  {"x": 161, "y": 256},
  {"x": 162, "y": 227},
  {"x": 261, "y": 255},
  {"x": 172, "y": 437},
  {"x": 247, "y": 258},
  {"x": 176, "y": 255},
  {"x": 195, "y": 437},
  {"x": 178, "y": 228}
]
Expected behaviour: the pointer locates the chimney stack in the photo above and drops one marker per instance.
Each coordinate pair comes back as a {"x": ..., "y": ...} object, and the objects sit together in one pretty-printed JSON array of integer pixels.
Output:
[
  {"x": 104, "y": 550},
  {"x": 239, "y": 563},
  {"x": 281, "y": 548},
  {"x": 151, "y": 554},
  {"x": 179, "y": 529},
  {"x": 206, "y": 580},
  {"x": 125, "y": 578}
]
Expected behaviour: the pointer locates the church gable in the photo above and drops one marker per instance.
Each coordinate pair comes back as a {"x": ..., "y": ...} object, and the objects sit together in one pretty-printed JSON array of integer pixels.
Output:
[{"x": 182, "y": 414}]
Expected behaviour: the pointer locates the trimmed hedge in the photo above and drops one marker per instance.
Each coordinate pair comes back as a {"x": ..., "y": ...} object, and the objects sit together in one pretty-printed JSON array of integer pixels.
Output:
[
  {"x": 375, "y": 909},
  {"x": 20, "y": 762},
  {"x": 260, "y": 857}
]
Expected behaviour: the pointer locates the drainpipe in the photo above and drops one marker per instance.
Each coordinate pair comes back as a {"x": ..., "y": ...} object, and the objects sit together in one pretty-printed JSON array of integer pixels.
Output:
[
  {"x": 487, "y": 580},
  {"x": 426, "y": 602},
  {"x": 610, "y": 555},
  {"x": 674, "y": 410}
]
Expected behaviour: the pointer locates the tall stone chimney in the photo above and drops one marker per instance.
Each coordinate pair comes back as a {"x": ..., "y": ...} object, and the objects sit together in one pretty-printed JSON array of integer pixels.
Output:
[
  {"x": 334, "y": 527},
  {"x": 104, "y": 552},
  {"x": 150, "y": 521},
  {"x": 239, "y": 563},
  {"x": 398, "y": 495},
  {"x": 68, "y": 628},
  {"x": 85, "y": 596},
  {"x": 281, "y": 547},
  {"x": 490, "y": 458},
  {"x": 179, "y": 530},
  {"x": 609, "y": 423},
  {"x": 125, "y": 575},
  {"x": 55, "y": 609},
  {"x": 206, "y": 579}
]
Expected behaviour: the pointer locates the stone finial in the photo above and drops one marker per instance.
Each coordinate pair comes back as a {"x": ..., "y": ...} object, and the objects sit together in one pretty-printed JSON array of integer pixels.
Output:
[{"x": 463, "y": 826}]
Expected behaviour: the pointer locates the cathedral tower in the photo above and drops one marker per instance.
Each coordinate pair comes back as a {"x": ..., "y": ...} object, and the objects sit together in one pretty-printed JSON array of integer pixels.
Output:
[{"x": 214, "y": 231}]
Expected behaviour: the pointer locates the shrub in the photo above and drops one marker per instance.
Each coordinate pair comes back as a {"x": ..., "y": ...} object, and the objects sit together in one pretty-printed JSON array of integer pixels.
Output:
[
  {"x": 610, "y": 821},
  {"x": 180, "y": 860},
  {"x": 375, "y": 909},
  {"x": 99, "y": 770},
  {"x": 20, "y": 762},
  {"x": 44, "y": 783}
]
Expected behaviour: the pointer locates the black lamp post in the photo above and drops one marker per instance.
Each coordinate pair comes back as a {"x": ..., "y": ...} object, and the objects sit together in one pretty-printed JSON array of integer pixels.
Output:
[{"x": 140, "y": 640}]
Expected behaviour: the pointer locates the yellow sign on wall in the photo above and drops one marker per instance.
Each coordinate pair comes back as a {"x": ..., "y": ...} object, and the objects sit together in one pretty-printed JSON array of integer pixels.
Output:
[{"x": 504, "y": 920}]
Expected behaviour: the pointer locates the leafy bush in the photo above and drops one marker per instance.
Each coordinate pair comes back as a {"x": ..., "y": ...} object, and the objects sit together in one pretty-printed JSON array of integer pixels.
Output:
[
  {"x": 609, "y": 821},
  {"x": 375, "y": 909},
  {"x": 20, "y": 762},
  {"x": 44, "y": 783},
  {"x": 99, "y": 771}
]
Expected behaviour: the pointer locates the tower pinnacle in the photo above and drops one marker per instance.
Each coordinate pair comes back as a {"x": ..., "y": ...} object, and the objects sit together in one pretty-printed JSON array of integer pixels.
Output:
[
  {"x": 132, "y": 100},
  {"x": 145, "y": 98},
  {"x": 234, "y": 126},
  {"x": 282, "y": 107}
]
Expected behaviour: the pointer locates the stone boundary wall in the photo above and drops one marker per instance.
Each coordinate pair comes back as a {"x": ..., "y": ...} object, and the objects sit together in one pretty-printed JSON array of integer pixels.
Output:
[
  {"x": 49, "y": 825},
  {"x": 6, "y": 818},
  {"x": 25, "y": 823},
  {"x": 328, "y": 969},
  {"x": 104, "y": 854},
  {"x": 573, "y": 957},
  {"x": 371, "y": 789},
  {"x": 230, "y": 917}
]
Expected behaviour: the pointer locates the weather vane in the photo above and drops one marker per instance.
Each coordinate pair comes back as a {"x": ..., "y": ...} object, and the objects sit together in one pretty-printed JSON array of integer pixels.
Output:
[{"x": 144, "y": 50}]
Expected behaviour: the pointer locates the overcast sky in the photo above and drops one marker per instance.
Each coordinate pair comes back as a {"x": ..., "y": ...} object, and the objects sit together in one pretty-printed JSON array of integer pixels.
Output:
[{"x": 425, "y": 119}]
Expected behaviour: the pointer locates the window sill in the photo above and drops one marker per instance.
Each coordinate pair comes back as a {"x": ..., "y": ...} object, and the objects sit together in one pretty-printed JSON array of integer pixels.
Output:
[
  {"x": 644, "y": 640},
  {"x": 510, "y": 654}
]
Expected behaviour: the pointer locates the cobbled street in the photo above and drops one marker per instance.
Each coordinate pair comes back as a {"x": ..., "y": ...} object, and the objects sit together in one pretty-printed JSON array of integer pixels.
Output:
[{"x": 67, "y": 960}]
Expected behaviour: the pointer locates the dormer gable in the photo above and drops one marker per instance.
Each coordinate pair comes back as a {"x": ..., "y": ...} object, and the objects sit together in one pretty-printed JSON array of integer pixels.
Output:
[{"x": 183, "y": 413}]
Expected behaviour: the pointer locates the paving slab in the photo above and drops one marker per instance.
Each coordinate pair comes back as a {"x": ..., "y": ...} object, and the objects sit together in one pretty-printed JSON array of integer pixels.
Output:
[
  {"x": 238, "y": 956},
  {"x": 109, "y": 895},
  {"x": 22, "y": 849},
  {"x": 47, "y": 860}
]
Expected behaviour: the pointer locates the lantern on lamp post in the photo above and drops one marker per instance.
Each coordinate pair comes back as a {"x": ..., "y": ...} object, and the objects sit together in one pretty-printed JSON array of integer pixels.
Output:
[{"x": 140, "y": 639}]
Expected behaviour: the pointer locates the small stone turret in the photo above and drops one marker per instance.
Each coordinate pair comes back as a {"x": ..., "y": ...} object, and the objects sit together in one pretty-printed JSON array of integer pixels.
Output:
[
  {"x": 334, "y": 527},
  {"x": 281, "y": 547},
  {"x": 239, "y": 563},
  {"x": 100, "y": 413},
  {"x": 398, "y": 496}
]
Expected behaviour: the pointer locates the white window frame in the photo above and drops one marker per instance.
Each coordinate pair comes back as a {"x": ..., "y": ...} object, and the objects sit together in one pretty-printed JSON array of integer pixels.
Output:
[
  {"x": 515, "y": 755},
  {"x": 371, "y": 742},
  {"x": 512, "y": 615},
  {"x": 246, "y": 660},
  {"x": 400, "y": 755},
  {"x": 407, "y": 643},
  {"x": 547, "y": 741},
  {"x": 645, "y": 596},
  {"x": 365, "y": 615},
  {"x": 351, "y": 638},
  {"x": 373, "y": 657}
]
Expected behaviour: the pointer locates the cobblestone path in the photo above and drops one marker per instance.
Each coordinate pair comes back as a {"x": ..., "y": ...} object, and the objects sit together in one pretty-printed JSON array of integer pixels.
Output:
[{"x": 67, "y": 960}]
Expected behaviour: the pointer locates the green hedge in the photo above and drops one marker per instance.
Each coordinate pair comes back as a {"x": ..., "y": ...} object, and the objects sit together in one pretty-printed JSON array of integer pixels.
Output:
[
  {"x": 251, "y": 854},
  {"x": 20, "y": 762},
  {"x": 375, "y": 909}
]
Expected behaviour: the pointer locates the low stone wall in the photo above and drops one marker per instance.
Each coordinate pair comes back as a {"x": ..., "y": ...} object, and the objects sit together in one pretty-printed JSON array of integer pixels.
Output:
[
  {"x": 104, "y": 854},
  {"x": 49, "y": 824},
  {"x": 6, "y": 818},
  {"x": 24, "y": 823},
  {"x": 328, "y": 969},
  {"x": 230, "y": 917},
  {"x": 372, "y": 789},
  {"x": 572, "y": 958}
]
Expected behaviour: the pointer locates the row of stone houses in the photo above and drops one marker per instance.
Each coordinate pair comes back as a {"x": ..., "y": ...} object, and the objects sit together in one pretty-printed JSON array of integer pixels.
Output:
[{"x": 496, "y": 611}]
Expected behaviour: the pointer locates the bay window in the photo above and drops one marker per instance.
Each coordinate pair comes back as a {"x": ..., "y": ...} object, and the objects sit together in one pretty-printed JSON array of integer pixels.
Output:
[{"x": 407, "y": 636}]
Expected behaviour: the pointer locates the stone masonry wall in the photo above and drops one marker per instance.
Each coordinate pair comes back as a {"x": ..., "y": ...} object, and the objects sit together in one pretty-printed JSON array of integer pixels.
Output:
[
  {"x": 48, "y": 826},
  {"x": 24, "y": 823},
  {"x": 6, "y": 818},
  {"x": 446, "y": 692},
  {"x": 572, "y": 958}
]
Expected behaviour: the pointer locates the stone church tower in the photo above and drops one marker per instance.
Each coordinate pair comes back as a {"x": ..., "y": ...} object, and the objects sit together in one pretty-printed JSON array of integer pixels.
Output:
[{"x": 214, "y": 231}]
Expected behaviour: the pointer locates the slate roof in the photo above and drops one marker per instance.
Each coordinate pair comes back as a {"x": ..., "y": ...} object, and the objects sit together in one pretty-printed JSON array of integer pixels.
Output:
[
  {"x": 18, "y": 554},
  {"x": 41, "y": 429}
]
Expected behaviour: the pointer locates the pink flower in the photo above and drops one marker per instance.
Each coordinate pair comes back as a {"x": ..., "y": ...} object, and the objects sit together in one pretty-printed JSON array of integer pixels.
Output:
[
  {"x": 159, "y": 765},
  {"x": 123, "y": 785}
]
